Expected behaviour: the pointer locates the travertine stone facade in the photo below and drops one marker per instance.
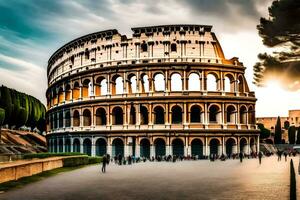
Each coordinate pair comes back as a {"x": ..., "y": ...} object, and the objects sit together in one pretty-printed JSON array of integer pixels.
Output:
[{"x": 167, "y": 90}]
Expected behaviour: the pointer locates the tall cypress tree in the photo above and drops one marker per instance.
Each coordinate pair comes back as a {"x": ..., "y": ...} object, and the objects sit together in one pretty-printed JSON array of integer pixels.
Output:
[
  {"x": 292, "y": 134},
  {"x": 5, "y": 103},
  {"x": 278, "y": 136}
]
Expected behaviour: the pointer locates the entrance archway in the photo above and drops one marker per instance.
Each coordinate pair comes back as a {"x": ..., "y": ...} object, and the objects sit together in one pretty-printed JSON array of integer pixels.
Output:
[
  {"x": 118, "y": 147},
  {"x": 87, "y": 147},
  {"x": 214, "y": 147},
  {"x": 243, "y": 145},
  {"x": 178, "y": 147},
  {"x": 68, "y": 145},
  {"x": 197, "y": 148},
  {"x": 230, "y": 144},
  {"x": 76, "y": 145},
  {"x": 100, "y": 147},
  {"x": 160, "y": 147},
  {"x": 145, "y": 148}
]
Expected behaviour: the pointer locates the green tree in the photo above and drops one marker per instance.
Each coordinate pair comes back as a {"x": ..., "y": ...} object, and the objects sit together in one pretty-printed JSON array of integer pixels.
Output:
[
  {"x": 292, "y": 134},
  {"x": 2, "y": 117},
  {"x": 264, "y": 132},
  {"x": 280, "y": 31},
  {"x": 278, "y": 134},
  {"x": 5, "y": 103}
]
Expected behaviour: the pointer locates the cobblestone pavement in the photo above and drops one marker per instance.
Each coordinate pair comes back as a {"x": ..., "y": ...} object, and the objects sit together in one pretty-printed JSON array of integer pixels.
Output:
[{"x": 160, "y": 180}]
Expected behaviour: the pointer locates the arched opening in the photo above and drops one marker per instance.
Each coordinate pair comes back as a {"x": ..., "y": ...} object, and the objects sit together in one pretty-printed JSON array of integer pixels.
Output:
[
  {"x": 145, "y": 83},
  {"x": 214, "y": 145},
  {"x": 87, "y": 119},
  {"x": 230, "y": 114},
  {"x": 100, "y": 147},
  {"x": 76, "y": 118},
  {"x": 144, "y": 47},
  {"x": 159, "y": 115},
  {"x": 87, "y": 147},
  {"x": 132, "y": 118},
  {"x": 214, "y": 114},
  {"x": 212, "y": 82},
  {"x": 160, "y": 147},
  {"x": 100, "y": 86},
  {"x": 178, "y": 147},
  {"x": 103, "y": 87},
  {"x": 86, "y": 90},
  {"x": 197, "y": 148},
  {"x": 230, "y": 147},
  {"x": 60, "y": 95},
  {"x": 243, "y": 115},
  {"x": 117, "y": 115},
  {"x": 241, "y": 84},
  {"x": 173, "y": 47},
  {"x": 194, "y": 82},
  {"x": 55, "y": 120},
  {"x": 67, "y": 145},
  {"x": 67, "y": 118},
  {"x": 144, "y": 115},
  {"x": 118, "y": 147},
  {"x": 68, "y": 93},
  {"x": 60, "y": 145},
  {"x": 76, "y": 145},
  {"x": 243, "y": 145},
  {"x": 60, "y": 119},
  {"x": 251, "y": 115},
  {"x": 176, "y": 82},
  {"x": 229, "y": 83},
  {"x": 176, "y": 115},
  {"x": 145, "y": 148},
  {"x": 132, "y": 85},
  {"x": 100, "y": 116},
  {"x": 76, "y": 91},
  {"x": 195, "y": 114},
  {"x": 252, "y": 145},
  {"x": 159, "y": 82},
  {"x": 117, "y": 85},
  {"x": 54, "y": 97}
]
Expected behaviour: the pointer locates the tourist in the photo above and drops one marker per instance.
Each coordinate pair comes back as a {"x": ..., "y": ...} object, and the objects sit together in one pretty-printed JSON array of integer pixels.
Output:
[
  {"x": 241, "y": 156},
  {"x": 129, "y": 160},
  {"x": 108, "y": 158},
  {"x": 260, "y": 156},
  {"x": 120, "y": 159},
  {"x": 104, "y": 162}
]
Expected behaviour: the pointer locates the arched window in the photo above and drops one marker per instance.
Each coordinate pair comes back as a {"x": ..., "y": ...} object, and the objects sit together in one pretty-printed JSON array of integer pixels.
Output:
[
  {"x": 67, "y": 118},
  {"x": 60, "y": 95},
  {"x": 159, "y": 115},
  {"x": 76, "y": 118},
  {"x": 230, "y": 114},
  {"x": 241, "y": 84},
  {"x": 76, "y": 91},
  {"x": 144, "y": 115},
  {"x": 159, "y": 82},
  {"x": 176, "y": 82},
  {"x": 132, "y": 88},
  {"x": 103, "y": 86},
  {"x": 119, "y": 85},
  {"x": 176, "y": 115},
  {"x": 251, "y": 116},
  {"x": 132, "y": 119},
  {"x": 243, "y": 115},
  {"x": 144, "y": 47},
  {"x": 87, "y": 119},
  {"x": 68, "y": 92},
  {"x": 212, "y": 84},
  {"x": 86, "y": 90},
  {"x": 117, "y": 114},
  {"x": 100, "y": 116},
  {"x": 100, "y": 86},
  {"x": 195, "y": 115},
  {"x": 194, "y": 82},
  {"x": 173, "y": 47},
  {"x": 214, "y": 114},
  {"x": 145, "y": 83},
  {"x": 229, "y": 83}
]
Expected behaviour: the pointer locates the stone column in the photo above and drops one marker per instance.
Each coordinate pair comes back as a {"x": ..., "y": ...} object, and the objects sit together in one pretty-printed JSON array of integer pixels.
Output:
[
  {"x": 223, "y": 146},
  {"x": 71, "y": 140},
  {"x": 93, "y": 147},
  {"x": 152, "y": 150},
  {"x": 64, "y": 147},
  {"x": 137, "y": 148},
  {"x": 81, "y": 145}
]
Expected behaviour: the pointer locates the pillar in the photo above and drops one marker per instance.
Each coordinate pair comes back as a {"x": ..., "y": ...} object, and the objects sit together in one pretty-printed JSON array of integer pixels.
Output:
[
  {"x": 152, "y": 150},
  {"x": 93, "y": 147}
]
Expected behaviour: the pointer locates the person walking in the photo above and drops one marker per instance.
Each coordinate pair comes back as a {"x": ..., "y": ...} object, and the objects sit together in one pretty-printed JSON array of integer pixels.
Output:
[
  {"x": 285, "y": 156},
  {"x": 108, "y": 159},
  {"x": 104, "y": 162},
  {"x": 241, "y": 157},
  {"x": 260, "y": 157},
  {"x": 120, "y": 159}
]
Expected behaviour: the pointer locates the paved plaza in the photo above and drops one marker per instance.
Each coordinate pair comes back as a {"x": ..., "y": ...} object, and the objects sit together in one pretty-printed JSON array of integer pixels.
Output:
[{"x": 161, "y": 180}]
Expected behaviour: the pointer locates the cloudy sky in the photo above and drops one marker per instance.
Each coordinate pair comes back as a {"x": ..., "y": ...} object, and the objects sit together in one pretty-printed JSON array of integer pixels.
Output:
[{"x": 31, "y": 30}]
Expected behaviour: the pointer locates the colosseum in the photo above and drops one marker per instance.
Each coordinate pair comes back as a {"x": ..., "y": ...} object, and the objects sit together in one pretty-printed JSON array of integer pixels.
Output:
[{"x": 167, "y": 90}]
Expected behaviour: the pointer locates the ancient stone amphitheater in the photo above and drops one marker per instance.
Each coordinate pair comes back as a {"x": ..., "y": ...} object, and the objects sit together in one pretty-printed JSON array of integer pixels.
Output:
[{"x": 167, "y": 90}]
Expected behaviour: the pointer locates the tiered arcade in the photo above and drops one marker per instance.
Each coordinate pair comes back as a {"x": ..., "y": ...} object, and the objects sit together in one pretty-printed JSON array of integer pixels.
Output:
[{"x": 167, "y": 90}]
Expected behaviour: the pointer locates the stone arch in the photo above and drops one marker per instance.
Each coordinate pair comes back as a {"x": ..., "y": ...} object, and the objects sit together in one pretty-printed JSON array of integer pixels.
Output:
[
  {"x": 178, "y": 147},
  {"x": 252, "y": 145},
  {"x": 76, "y": 118},
  {"x": 243, "y": 114},
  {"x": 118, "y": 147},
  {"x": 145, "y": 148},
  {"x": 101, "y": 116},
  {"x": 132, "y": 83},
  {"x": 145, "y": 83},
  {"x": 230, "y": 114},
  {"x": 241, "y": 86},
  {"x": 195, "y": 114},
  {"x": 159, "y": 115},
  {"x": 230, "y": 147},
  {"x": 176, "y": 82},
  {"x": 197, "y": 147},
  {"x": 194, "y": 82},
  {"x": 160, "y": 147},
  {"x": 86, "y": 88},
  {"x": 176, "y": 114},
  {"x": 251, "y": 115},
  {"x": 101, "y": 147},
  {"x": 212, "y": 81},
  {"x": 76, "y": 90},
  {"x": 76, "y": 145},
  {"x": 144, "y": 115},
  {"x": 117, "y": 84},
  {"x": 214, "y": 146},
  {"x": 87, "y": 146},
  {"x": 132, "y": 115},
  {"x": 60, "y": 95},
  {"x": 214, "y": 113},
  {"x": 100, "y": 86},
  {"x": 68, "y": 92},
  {"x": 229, "y": 83},
  {"x": 159, "y": 82},
  {"x": 117, "y": 116},
  {"x": 87, "y": 117},
  {"x": 243, "y": 145}
]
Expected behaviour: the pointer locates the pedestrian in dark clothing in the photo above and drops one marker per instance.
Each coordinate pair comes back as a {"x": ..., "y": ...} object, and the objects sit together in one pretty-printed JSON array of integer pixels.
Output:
[
  {"x": 241, "y": 157},
  {"x": 120, "y": 159},
  {"x": 108, "y": 158},
  {"x": 260, "y": 156},
  {"x": 104, "y": 162},
  {"x": 285, "y": 156}
]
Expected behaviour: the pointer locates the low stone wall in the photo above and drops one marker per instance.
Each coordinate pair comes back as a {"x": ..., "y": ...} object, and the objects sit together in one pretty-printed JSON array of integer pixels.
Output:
[{"x": 19, "y": 169}]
